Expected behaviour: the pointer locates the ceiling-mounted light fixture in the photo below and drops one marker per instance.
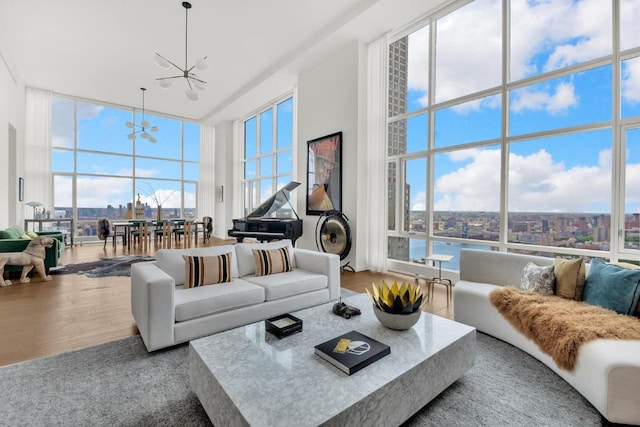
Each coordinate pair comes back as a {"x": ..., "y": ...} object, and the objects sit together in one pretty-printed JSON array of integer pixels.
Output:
[
  {"x": 142, "y": 127},
  {"x": 187, "y": 72}
]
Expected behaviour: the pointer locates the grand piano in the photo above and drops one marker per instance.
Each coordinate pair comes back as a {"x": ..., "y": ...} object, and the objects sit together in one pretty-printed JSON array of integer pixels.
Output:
[{"x": 271, "y": 220}]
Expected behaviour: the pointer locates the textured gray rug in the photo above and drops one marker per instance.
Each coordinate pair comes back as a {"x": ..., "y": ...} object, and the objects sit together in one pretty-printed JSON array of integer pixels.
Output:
[
  {"x": 119, "y": 383},
  {"x": 116, "y": 266}
]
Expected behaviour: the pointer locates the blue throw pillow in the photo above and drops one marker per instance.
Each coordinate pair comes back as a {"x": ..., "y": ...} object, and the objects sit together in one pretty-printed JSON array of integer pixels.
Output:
[{"x": 612, "y": 287}]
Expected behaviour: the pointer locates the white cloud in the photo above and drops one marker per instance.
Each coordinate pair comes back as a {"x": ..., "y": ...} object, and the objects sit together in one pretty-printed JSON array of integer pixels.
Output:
[
  {"x": 537, "y": 182},
  {"x": 553, "y": 102},
  {"x": 631, "y": 81},
  {"x": 419, "y": 202}
]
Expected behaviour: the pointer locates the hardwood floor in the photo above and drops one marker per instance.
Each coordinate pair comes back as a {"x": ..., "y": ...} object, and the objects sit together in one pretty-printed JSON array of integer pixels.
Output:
[{"x": 73, "y": 311}]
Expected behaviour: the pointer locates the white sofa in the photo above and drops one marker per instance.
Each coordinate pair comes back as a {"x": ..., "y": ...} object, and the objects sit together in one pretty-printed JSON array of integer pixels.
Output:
[
  {"x": 607, "y": 372},
  {"x": 167, "y": 314}
]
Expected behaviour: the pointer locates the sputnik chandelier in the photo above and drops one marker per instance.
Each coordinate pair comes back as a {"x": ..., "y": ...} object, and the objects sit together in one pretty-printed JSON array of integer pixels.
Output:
[
  {"x": 187, "y": 72},
  {"x": 142, "y": 127}
]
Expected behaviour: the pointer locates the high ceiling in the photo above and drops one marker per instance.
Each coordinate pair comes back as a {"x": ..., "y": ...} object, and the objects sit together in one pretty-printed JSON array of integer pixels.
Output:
[{"x": 103, "y": 49}]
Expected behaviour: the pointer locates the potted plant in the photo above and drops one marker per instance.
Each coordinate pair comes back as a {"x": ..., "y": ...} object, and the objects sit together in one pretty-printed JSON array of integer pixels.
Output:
[{"x": 397, "y": 306}]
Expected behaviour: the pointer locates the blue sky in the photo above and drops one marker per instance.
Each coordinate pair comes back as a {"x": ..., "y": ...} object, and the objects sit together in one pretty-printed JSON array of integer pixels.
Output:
[{"x": 546, "y": 174}]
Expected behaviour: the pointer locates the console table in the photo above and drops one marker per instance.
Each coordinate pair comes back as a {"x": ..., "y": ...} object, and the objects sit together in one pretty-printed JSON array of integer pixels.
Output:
[{"x": 56, "y": 221}]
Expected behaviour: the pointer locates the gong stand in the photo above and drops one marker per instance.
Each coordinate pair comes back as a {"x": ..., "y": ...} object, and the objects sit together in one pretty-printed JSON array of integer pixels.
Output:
[{"x": 333, "y": 235}]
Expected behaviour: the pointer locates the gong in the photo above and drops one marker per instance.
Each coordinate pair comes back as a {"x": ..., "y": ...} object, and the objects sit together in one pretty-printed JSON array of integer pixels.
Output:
[{"x": 333, "y": 234}]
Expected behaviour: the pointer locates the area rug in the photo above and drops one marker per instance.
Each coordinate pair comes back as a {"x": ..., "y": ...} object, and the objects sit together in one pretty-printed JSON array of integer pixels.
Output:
[
  {"x": 117, "y": 266},
  {"x": 119, "y": 383}
]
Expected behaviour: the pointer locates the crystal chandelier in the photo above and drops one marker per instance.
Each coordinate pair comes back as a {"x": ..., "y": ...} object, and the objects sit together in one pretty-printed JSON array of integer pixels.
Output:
[
  {"x": 142, "y": 127},
  {"x": 187, "y": 72}
]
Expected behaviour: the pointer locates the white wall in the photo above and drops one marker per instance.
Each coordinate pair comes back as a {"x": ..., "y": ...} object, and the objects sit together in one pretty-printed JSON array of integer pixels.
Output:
[
  {"x": 12, "y": 112},
  {"x": 328, "y": 101},
  {"x": 224, "y": 176}
]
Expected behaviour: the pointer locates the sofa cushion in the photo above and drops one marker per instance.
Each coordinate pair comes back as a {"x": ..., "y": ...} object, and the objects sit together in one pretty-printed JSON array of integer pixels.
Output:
[
  {"x": 12, "y": 232},
  {"x": 282, "y": 285},
  {"x": 270, "y": 261},
  {"x": 206, "y": 270},
  {"x": 204, "y": 300},
  {"x": 612, "y": 287},
  {"x": 538, "y": 279},
  {"x": 570, "y": 276},
  {"x": 244, "y": 252},
  {"x": 171, "y": 262}
]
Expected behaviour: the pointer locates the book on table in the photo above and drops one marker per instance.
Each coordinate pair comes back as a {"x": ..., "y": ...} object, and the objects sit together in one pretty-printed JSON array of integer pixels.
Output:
[{"x": 352, "y": 351}]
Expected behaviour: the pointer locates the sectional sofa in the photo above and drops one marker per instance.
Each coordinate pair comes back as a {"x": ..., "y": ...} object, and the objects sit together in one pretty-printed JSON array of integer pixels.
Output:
[
  {"x": 167, "y": 313},
  {"x": 607, "y": 371}
]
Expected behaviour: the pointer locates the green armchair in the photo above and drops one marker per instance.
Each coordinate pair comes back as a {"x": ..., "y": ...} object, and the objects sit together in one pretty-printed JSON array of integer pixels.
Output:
[{"x": 15, "y": 239}]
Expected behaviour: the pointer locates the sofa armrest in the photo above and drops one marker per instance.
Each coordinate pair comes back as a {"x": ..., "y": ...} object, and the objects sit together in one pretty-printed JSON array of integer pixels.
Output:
[
  {"x": 152, "y": 304},
  {"x": 321, "y": 263}
]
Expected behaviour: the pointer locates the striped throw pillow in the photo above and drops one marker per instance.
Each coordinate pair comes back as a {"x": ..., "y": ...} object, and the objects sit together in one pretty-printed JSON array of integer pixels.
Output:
[
  {"x": 270, "y": 261},
  {"x": 206, "y": 270}
]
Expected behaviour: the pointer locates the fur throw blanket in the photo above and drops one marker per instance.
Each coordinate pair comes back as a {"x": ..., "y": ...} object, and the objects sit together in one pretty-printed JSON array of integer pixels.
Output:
[{"x": 558, "y": 325}]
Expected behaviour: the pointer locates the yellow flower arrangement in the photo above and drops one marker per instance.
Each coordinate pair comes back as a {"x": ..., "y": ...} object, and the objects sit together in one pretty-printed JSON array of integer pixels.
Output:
[{"x": 403, "y": 299}]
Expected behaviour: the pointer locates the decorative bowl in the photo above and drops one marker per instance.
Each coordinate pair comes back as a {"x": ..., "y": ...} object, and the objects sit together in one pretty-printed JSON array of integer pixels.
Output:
[{"x": 399, "y": 322}]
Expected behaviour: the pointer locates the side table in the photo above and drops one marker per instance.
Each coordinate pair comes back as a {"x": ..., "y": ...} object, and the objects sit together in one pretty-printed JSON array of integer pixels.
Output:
[{"x": 440, "y": 280}]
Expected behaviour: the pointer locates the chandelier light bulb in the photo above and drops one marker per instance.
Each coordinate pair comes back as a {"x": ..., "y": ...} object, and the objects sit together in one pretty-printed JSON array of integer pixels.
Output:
[
  {"x": 161, "y": 62},
  {"x": 131, "y": 136},
  {"x": 145, "y": 123},
  {"x": 150, "y": 138},
  {"x": 165, "y": 83},
  {"x": 154, "y": 129},
  {"x": 192, "y": 94},
  {"x": 129, "y": 125},
  {"x": 198, "y": 84},
  {"x": 202, "y": 64}
]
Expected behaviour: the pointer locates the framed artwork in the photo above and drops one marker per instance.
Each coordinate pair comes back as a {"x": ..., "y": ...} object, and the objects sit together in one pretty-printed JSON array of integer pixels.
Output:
[
  {"x": 20, "y": 189},
  {"x": 324, "y": 174}
]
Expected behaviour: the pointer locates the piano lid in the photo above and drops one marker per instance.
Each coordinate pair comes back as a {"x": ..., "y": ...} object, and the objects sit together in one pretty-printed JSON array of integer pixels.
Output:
[{"x": 275, "y": 202}]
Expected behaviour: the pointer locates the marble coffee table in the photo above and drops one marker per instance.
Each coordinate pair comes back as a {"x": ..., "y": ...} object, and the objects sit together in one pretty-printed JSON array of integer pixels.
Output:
[{"x": 246, "y": 376}]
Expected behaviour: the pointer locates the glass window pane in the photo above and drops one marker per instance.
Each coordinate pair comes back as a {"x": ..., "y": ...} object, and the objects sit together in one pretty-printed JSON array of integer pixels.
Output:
[
  {"x": 191, "y": 141},
  {"x": 191, "y": 171},
  {"x": 397, "y": 138},
  {"x": 548, "y": 178},
  {"x": 471, "y": 121},
  {"x": 250, "y": 169},
  {"x": 405, "y": 249},
  {"x": 101, "y": 197},
  {"x": 62, "y": 160},
  {"x": 266, "y": 166},
  {"x": 630, "y": 82},
  {"x": 266, "y": 190},
  {"x": 629, "y": 17},
  {"x": 415, "y": 195},
  {"x": 63, "y": 195},
  {"x": 103, "y": 128},
  {"x": 469, "y": 39},
  {"x": 578, "y": 99},
  {"x": 104, "y": 164},
  {"x": 147, "y": 168},
  {"x": 409, "y": 73},
  {"x": 266, "y": 132},
  {"x": 250, "y": 137},
  {"x": 467, "y": 193},
  {"x": 62, "y": 123},
  {"x": 549, "y": 35},
  {"x": 189, "y": 200},
  {"x": 157, "y": 192},
  {"x": 168, "y": 137},
  {"x": 284, "y": 162},
  {"x": 282, "y": 181},
  {"x": 632, "y": 190},
  {"x": 408, "y": 135},
  {"x": 285, "y": 124},
  {"x": 392, "y": 179}
]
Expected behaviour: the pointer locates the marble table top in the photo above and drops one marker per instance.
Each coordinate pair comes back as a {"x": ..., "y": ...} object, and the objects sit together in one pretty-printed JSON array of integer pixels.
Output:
[{"x": 275, "y": 381}]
